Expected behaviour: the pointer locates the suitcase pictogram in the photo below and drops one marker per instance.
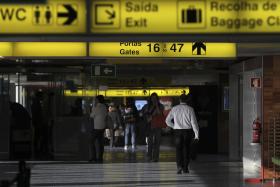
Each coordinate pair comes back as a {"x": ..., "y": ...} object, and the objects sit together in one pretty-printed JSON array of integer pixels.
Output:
[{"x": 191, "y": 15}]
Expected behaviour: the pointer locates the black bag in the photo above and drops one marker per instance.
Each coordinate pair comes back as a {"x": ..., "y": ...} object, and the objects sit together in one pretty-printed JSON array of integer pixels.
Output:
[
  {"x": 91, "y": 124},
  {"x": 194, "y": 149},
  {"x": 109, "y": 122}
]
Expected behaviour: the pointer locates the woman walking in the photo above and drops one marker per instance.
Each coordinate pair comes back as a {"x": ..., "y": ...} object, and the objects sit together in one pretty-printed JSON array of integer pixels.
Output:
[{"x": 154, "y": 115}]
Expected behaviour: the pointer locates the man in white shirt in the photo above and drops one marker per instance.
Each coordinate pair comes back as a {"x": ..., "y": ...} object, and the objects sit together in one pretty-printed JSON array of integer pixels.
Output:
[
  {"x": 184, "y": 126},
  {"x": 99, "y": 114}
]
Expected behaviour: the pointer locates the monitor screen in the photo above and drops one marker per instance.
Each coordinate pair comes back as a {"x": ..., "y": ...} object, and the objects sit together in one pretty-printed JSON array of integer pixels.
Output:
[{"x": 140, "y": 103}]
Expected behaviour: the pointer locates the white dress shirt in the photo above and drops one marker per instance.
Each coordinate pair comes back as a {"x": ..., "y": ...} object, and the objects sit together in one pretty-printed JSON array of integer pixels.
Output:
[
  {"x": 184, "y": 118},
  {"x": 99, "y": 113}
]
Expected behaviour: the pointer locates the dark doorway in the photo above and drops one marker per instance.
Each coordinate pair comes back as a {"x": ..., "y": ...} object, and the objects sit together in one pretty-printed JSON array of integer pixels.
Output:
[{"x": 205, "y": 103}]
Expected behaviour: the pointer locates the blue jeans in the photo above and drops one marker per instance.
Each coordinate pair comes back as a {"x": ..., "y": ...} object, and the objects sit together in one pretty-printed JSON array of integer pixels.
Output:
[{"x": 130, "y": 129}]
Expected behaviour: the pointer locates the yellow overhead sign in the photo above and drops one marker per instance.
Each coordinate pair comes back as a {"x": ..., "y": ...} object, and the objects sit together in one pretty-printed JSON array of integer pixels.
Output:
[
  {"x": 56, "y": 16},
  {"x": 119, "y": 49},
  {"x": 49, "y": 49},
  {"x": 6, "y": 49},
  {"x": 185, "y": 16},
  {"x": 26, "y": 49},
  {"x": 129, "y": 92},
  {"x": 159, "y": 49}
]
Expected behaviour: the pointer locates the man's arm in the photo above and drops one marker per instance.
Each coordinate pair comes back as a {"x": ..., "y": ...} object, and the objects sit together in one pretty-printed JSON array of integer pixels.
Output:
[
  {"x": 169, "y": 118},
  {"x": 194, "y": 124}
]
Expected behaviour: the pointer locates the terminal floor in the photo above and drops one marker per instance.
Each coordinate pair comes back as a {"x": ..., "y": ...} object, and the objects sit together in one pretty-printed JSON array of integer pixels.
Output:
[{"x": 122, "y": 169}]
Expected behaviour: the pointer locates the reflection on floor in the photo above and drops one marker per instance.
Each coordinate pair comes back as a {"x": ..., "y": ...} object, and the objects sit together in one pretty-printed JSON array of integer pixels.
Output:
[
  {"x": 117, "y": 154},
  {"x": 135, "y": 174},
  {"x": 130, "y": 169}
]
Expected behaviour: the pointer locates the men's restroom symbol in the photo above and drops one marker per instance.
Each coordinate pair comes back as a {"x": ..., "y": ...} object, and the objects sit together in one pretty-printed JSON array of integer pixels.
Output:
[
  {"x": 48, "y": 15},
  {"x": 42, "y": 15}
]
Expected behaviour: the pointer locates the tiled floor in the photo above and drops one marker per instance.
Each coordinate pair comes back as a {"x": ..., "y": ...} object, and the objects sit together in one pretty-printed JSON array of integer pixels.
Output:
[
  {"x": 135, "y": 174},
  {"x": 121, "y": 169}
]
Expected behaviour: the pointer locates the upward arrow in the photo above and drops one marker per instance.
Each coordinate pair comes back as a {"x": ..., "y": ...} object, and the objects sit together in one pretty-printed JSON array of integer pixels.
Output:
[
  {"x": 199, "y": 46},
  {"x": 71, "y": 15}
]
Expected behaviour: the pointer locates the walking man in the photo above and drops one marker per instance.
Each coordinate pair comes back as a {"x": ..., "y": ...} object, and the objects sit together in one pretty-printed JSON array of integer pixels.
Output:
[
  {"x": 98, "y": 114},
  {"x": 182, "y": 119}
]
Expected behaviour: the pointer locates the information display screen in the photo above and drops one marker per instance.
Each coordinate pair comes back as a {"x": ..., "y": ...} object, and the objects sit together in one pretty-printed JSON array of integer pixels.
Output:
[{"x": 140, "y": 103}]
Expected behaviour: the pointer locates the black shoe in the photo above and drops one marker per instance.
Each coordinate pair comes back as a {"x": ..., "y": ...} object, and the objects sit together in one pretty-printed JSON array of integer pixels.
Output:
[
  {"x": 154, "y": 160},
  {"x": 186, "y": 171},
  {"x": 179, "y": 171}
]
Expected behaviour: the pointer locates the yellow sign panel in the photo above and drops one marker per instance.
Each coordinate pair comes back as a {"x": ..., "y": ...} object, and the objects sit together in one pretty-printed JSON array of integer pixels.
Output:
[
  {"x": 185, "y": 16},
  {"x": 152, "y": 49},
  {"x": 129, "y": 92},
  {"x": 56, "y": 16},
  {"x": 6, "y": 49},
  {"x": 50, "y": 49}
]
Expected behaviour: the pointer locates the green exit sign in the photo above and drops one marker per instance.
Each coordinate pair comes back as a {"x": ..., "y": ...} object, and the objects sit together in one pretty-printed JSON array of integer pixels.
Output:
[{"x": 22, "y": 1}]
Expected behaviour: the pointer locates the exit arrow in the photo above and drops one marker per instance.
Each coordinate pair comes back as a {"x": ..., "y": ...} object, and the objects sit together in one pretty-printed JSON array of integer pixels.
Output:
[
  {"x": 71, "y": 15},
  {"x": 199, "y": 46},
  {"x": 111, "y": 14},
  {"x": 107, "y": 70}
]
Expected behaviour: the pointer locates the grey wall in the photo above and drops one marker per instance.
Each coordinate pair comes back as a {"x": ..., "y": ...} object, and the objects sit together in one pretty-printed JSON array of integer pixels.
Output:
[
  {"x": 245, "y": 106},
  {"x": 252, "y": 108},
  {"x": 71, "y": 138}
]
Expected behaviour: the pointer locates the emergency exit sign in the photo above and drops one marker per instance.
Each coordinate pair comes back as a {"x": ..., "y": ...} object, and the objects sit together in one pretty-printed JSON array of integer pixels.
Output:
[
  {"x": 103, "y": 70},
  {"x": 22, "y": 1}
]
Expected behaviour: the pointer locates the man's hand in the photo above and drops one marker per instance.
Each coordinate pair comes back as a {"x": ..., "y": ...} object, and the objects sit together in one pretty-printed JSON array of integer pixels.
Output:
[
  {"x": 196, "y": 140},
  {"x": 168, "y": 128}
]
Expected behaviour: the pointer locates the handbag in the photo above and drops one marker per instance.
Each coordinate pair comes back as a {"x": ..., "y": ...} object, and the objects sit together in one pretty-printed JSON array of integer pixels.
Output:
[
  {"x": 158, "y": 121},
  {"x": 194, "y": 149},
  {"x": 109, "y": 122}
]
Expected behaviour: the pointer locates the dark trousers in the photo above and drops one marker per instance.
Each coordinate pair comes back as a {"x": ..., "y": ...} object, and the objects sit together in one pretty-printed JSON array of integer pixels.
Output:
[
  {"x": 41, "y": 140},
  {"x": 97, "y": 145},
  {"x": 114, "y": 139},
  {"x": 183, "y": 139},
  {"x": 154, "y": 143}
]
